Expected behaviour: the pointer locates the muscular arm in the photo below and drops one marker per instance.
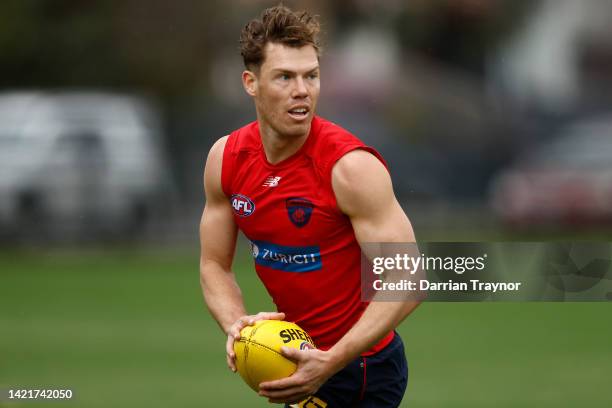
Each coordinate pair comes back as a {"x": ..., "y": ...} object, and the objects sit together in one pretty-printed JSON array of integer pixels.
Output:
[
  {"x": 218, "y": 242},
  {"x": 364, "y": 192}
]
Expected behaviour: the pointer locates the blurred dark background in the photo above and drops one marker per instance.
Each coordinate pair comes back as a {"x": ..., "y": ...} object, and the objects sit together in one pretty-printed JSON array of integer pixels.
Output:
[{"x": 494, "y": 115}]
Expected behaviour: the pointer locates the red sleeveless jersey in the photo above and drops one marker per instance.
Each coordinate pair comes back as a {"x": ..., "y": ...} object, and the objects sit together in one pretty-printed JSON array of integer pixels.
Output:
[{"x": 304, "y": 247}]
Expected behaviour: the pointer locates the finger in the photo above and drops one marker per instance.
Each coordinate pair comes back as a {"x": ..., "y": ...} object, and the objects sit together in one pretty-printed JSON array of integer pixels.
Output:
[
  {"x": 237, "y": 327},
  {"x": 243, "y": 322},
  {"x": 290, "y": 394},
  {"x": 230, "y": 363},
  {"x": 231, "y": 360},
  {"x": 293, "y": 354},
  {"x": 284, "y": 383},
  {"x": 232, "y": 337},
  {"x": 233, "y": 333},
  {"x": 230, "y": 353},
  {"x": 229, "y": 345},
  {"x": 264, "y": 316},
  {"x": 273, "y": 315},
  {"x": 269, "y": 316},
  {"x": 250, "y": 320}
]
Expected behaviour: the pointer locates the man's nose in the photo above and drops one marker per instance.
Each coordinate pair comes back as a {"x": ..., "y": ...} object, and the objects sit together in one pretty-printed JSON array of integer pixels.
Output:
[{"x": 300, "y": 90}]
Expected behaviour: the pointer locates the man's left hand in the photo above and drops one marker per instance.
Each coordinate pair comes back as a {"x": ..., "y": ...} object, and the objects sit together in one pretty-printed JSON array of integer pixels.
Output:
[{"x": 314, "y": 368}]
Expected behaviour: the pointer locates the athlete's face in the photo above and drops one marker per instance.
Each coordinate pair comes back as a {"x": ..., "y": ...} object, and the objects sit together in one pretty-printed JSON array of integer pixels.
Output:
[{"x": 285, "y": 89}]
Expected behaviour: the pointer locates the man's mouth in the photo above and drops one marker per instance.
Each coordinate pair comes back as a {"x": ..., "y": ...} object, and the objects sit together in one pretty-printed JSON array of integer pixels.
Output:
[{"x": 299, "y": 113}]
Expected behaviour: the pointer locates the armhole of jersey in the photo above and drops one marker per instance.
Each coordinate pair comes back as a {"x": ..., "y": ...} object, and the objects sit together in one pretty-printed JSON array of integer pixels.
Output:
[
  {"x": 227, "y": 165},
  {"x": 371, "y": 150},
  {"x": 338, "y": 155}
]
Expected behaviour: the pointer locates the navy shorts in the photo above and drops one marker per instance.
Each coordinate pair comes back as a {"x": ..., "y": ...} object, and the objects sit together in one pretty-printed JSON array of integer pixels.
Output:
[{"x": 376, "y": 381}]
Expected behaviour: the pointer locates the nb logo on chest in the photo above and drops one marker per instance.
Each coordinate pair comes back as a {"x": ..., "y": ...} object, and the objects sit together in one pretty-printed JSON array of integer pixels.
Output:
[{"x": 271, "y": 181}]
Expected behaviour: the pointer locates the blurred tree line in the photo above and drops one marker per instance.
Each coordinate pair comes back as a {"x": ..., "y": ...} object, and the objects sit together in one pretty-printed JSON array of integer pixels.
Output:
[
  {"x": 168, "y": 50},
  {"x": 150, "y": 45},
  {"x": 166, "y": 47}
]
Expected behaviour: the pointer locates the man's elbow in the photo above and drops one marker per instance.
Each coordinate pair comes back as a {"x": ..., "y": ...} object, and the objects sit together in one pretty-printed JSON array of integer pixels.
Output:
[{"x": 409, "y": 306}]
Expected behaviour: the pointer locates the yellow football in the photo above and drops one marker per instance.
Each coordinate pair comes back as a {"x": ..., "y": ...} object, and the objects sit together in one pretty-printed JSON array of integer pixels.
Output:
[{"x": 258, "y": 351}]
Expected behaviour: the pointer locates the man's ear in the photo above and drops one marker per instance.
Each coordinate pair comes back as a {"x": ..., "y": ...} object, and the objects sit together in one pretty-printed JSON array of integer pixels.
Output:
[{"x": 249, "y": 81}]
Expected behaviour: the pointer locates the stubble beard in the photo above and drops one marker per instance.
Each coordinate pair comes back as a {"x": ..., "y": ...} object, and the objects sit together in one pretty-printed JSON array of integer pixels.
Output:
[{"x": 282, "y": 129}]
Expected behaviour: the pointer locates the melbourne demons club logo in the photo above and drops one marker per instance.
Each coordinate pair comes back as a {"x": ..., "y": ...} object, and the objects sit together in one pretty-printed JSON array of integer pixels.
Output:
[
  {"x": 299, "y": 210},
  {"x": 243, "y": 206}
]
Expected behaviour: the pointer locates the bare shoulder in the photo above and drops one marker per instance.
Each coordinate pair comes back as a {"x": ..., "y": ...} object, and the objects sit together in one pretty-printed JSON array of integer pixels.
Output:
[
  {"x": 216, "y": 151},
  {"x": 355, "y": 165},
  {"x": 360, "y": 181},
  {"x": 212, "y": 170}
]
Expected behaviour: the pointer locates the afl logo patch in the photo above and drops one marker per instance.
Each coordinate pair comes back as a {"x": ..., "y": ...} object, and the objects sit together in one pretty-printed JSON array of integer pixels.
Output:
[
  {"x": 299, "y": 210},
  {"x": 243, "y": 206}
]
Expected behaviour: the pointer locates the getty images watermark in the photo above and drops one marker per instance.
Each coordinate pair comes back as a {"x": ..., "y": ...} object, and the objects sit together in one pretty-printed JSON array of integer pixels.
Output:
[{"x": 502, "y": 271}]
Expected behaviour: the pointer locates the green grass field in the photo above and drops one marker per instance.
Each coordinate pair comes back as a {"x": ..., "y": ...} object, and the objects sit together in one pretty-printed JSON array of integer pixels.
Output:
[{"x": 128, "y": 328}]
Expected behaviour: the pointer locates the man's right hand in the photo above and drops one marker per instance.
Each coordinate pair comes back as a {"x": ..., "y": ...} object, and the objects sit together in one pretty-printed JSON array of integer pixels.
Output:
[{"x": 233, "y": 333}]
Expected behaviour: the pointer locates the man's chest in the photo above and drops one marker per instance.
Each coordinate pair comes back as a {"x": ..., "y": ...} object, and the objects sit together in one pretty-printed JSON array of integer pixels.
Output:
[{"x": 280, "y": 205}]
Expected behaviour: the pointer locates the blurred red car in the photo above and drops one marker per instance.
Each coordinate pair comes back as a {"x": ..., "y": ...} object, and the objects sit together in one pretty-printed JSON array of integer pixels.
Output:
[{"x": 568, "y": 181}]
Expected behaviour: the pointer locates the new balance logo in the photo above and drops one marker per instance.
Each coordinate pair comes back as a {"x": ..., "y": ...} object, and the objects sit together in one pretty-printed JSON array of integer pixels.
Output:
[{"x": 271, "y": 181}]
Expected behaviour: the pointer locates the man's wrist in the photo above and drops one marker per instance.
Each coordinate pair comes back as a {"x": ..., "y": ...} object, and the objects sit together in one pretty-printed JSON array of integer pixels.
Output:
[{"x": 338, "y": 357}]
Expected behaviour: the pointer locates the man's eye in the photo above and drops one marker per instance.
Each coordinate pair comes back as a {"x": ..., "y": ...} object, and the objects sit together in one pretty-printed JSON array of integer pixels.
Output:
[
  {"x": 284, "y": 77},
  {"x": 313, "y": 76}
]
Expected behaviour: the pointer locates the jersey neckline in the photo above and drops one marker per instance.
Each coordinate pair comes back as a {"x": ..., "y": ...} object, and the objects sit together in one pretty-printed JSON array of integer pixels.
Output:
[{"x": 314, "y": 127}]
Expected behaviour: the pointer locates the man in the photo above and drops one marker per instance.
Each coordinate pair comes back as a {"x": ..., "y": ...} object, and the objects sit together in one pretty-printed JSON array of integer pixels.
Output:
[{"x": 305, "y": 192}]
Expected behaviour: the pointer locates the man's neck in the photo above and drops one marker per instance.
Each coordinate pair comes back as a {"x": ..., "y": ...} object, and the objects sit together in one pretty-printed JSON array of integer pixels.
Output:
[{"x": 278, "y": 147}]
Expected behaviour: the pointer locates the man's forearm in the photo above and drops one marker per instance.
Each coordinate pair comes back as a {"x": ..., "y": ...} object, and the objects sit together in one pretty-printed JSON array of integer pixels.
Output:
[
  {"x": 376, "y": 321},
  {"x": 221, "y": 293}
]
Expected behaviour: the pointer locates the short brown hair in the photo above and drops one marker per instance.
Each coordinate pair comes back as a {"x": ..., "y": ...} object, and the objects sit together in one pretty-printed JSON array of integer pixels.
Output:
[{"x": 281, "y": 25}]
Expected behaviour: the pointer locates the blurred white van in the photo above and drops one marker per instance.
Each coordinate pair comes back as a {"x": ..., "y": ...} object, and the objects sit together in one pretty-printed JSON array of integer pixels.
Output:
[{"x": 85, "y": 161}]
